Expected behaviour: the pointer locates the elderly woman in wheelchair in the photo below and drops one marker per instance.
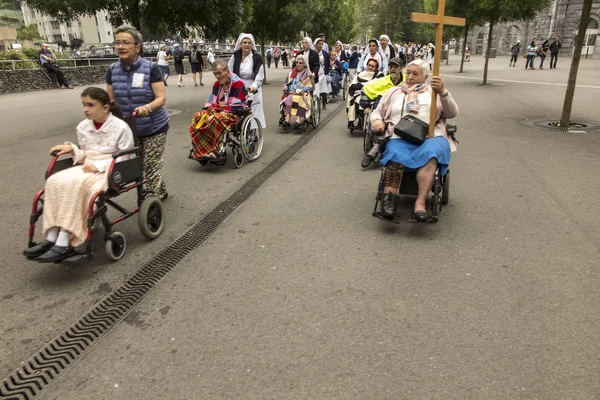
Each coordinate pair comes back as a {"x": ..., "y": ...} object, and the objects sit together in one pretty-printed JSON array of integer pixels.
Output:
[
  {"x": 297, "y": 104},
  {"x": 431, "y": 158},
  {"x": 225, "y": 112},
  {"x": 68, "y": 193},
  {"x": 354, "y": 109}
]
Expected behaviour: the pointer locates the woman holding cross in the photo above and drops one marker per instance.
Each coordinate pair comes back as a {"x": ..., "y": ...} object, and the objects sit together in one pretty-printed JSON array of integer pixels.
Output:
[{"x": 414, "y": 98}]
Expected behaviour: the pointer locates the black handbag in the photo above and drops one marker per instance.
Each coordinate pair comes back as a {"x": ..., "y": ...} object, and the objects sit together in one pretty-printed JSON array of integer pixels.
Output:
[{"x": 411, "y": 128}]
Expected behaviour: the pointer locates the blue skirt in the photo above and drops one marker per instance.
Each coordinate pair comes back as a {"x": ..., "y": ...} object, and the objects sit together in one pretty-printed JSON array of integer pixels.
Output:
[{"x": 414, "y": 157}]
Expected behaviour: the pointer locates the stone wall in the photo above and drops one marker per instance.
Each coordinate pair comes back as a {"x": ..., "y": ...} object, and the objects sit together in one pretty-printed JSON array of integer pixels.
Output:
[{"x": 26, "y": 80}]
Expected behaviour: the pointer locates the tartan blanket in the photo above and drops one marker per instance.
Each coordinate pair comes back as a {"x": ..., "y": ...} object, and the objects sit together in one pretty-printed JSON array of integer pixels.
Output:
[{"x": 208, "y": 129}]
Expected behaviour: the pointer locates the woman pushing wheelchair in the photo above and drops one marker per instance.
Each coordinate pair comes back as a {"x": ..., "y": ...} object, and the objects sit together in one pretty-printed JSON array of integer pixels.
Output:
[
  {"x": 68, "y": 193},
  {"x": 414, "y": 98}
]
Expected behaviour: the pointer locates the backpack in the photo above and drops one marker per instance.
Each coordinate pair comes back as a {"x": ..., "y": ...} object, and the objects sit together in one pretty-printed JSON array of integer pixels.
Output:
[{"x": 178, "y": 55}]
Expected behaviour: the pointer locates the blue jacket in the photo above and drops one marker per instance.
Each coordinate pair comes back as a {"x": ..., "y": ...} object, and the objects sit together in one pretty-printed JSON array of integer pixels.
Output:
[{"x": 129, "y": 97}]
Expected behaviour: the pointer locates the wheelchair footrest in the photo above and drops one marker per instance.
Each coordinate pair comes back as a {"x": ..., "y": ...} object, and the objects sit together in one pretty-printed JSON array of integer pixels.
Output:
[
  {"x": 77, "y": 258},
  {"x": 378, "y": 215}
]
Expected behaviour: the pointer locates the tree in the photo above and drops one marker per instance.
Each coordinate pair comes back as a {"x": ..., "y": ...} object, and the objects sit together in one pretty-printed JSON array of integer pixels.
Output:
[
  {"x": 495, "y": 11},
  {"x": 76, "y": 43},
  {"x": 28, "y": 32},
  {"x": 570, "y": 92},
  {"x": 215, "y": 17}
]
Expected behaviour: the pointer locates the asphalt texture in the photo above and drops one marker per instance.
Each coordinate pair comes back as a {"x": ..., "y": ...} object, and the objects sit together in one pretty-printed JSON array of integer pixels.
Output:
[{"x": 302, "y": 294}]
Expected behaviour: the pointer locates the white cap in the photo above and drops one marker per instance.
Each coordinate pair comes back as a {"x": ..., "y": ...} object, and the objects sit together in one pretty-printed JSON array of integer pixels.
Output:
[{"x": 176, "y": 45}]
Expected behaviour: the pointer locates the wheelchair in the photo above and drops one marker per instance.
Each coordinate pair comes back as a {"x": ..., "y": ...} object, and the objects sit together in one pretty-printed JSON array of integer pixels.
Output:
[
  {"x": 440, "y": 189},
  {"x": 315, "y": 112},
  {"x": 245, "y": 139},
  {"x": 123, "y": 176}
]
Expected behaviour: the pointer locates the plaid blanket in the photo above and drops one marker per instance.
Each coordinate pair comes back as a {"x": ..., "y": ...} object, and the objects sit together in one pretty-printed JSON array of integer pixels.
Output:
[{"x": 208, "y": 129}]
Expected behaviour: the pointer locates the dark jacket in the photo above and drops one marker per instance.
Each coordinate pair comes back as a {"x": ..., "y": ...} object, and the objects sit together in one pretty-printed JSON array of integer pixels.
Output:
[
  {"x": 515, "y": 49},
  {"x": 353, "y": 61},
  {"x": 555, "y": 47},
  {"x": 198, "y": 56},
  {"x": 326, "y": 62}
]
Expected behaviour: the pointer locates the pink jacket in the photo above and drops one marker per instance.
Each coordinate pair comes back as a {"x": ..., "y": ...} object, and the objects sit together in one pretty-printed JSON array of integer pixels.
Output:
[{"x": 446, "y": 109}]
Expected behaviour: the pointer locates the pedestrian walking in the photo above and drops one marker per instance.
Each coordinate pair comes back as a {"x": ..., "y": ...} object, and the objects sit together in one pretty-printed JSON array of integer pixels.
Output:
[
  {"x": 137, "y": 85},
  {"x": 277, "y": 56},
  {"x": 514, "y": 51},
  {"x": 210, "y": 56},
  {"x": 196, "y": 63},
  {"x": 554, "y": 50},
  {"x": 531, "y": 51},
  {"x": 163, "y": 63},
  {"x": 178, "y": 57},
  {"x": 269, "y": 56},
  {"x": 543, "y": 51},
  {"x": 284, "y": 58}
]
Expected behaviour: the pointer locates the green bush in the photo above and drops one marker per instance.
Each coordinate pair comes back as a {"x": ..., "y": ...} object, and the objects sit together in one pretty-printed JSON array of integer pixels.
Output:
[{"x": 31, "y": 53}]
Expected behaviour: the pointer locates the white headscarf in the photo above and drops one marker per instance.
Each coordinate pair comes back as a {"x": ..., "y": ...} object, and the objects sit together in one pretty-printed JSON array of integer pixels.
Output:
[
  {"x": 238, "y": 44},
  {"x": 310, "y": 43}
]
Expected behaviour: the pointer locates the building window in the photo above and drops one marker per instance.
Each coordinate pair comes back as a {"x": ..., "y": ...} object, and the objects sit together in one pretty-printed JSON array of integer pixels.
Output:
[
  {"x": 80, "y": 24},
  {"x": 108, "y": 33},
  {"x": 68, "y": 24},
  {"x": 55, "y": 24},
  {"x": 57, "y": 38},
  {"x": 70, "y": 37}
]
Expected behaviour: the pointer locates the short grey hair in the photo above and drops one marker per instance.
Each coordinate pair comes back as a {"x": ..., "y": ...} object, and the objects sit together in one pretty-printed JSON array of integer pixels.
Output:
[
  {"x": 421, "y": 64},
  {"x": 301, "y": 57},
  {"x": 137, "y": 36},
  {"x": 220, "y": 63}
]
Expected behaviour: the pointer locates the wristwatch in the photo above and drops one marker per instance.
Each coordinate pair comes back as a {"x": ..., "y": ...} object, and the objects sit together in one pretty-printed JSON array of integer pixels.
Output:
[
  {"x": 443, "y": 96},
  {"x": 149, "y": 108}
]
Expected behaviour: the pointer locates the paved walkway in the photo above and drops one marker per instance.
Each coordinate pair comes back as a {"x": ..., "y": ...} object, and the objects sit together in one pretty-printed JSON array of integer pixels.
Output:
[{"x": 301, "y": 294}]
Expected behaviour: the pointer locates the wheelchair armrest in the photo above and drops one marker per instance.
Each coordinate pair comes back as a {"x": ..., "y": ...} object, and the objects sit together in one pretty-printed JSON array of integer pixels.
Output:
[{"x": 132, "y": 150}]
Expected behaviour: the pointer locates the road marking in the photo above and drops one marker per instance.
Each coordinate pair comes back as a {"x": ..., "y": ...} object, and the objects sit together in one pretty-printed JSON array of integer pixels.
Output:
[{"x": 513, "y": 81}]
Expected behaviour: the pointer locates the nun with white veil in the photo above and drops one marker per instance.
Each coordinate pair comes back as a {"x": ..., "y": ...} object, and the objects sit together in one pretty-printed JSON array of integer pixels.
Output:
[{"x": 248, "y": 65}]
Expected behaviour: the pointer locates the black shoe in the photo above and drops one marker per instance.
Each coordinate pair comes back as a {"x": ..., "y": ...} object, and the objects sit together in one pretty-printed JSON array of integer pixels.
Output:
[
  {"x": 56, "y": 253},
  {"x": 366, "y": 161},
  {"x": 296, "y": 125},
  {"x": 420, "y": 215},
  {"x": 38, "y": 249},
  {"x": 389, "y": 202},
  {"x": 286, "y": 124},
  {"x": 350, "y": 124}
]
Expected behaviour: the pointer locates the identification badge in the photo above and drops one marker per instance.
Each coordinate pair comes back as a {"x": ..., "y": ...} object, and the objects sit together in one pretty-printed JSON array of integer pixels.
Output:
[{"x": 138, "y": 80}]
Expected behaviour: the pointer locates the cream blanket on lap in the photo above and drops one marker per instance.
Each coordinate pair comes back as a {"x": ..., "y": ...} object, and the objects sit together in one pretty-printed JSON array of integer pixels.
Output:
[{"x": 68, "y": 194}]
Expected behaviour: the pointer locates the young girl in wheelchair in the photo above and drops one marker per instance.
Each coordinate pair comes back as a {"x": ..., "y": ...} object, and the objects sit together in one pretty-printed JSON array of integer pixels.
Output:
[{"x": 68, "y": 193}]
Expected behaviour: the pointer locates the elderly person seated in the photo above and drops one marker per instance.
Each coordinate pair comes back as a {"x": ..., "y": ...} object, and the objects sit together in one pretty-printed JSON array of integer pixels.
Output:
[
  {"x": 221, "y": 112},
  {"x": 354, "y": 91},
  {"x": 414, "y": 97},
  {"x": 296, "y": 88},
  {"x": 68, "y": 193},
  {"x": 48, "y": 61}
]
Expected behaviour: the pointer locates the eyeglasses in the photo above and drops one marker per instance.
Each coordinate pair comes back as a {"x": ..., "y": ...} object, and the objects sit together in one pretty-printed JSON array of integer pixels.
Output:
[{"x": 123, "y": 43}]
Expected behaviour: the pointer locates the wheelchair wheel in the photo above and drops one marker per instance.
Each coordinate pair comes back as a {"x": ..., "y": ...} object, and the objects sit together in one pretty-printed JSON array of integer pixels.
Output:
[
  {"x": 367, "y": 141},
  {"x": 238, "y": 158},
  {"x": 316, "y": 111},
  {"x": 251, "y": 138},
  {"x": 345, "y": 87},
  {"x": 446, "y": 188},
  {"x": 150, "y": 219},
  {"x": 115, "y": 246}
]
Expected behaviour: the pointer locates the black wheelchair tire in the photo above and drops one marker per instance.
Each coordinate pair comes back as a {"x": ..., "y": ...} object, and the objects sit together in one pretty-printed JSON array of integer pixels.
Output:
[
  {"x": 150, "y": 218},
  {"x": 238, "y": 158},
  {"x": 316, "y": 111},
  {"x": 115, "y": 246},
  {"x": 446, "y": 189},
  {"x": 367, "y": 142},
  {"x": 251, "y": 156}
]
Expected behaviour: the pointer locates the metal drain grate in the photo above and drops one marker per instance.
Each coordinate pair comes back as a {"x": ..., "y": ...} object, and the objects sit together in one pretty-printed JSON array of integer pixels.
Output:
[
  {"x": 575, "y": 126},
  {"x": 43, "y": 368}
]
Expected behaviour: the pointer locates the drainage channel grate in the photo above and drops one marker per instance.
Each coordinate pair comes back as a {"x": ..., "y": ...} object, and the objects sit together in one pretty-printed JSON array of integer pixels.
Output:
[
  {"x": 575, "y": 126},
  {"x": 40, "y": 371}
]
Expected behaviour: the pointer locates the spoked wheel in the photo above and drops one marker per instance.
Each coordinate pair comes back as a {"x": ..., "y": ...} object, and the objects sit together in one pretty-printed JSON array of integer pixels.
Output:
[
  {"x": 446, "y": 188},
  {"x": 115, "y": 246},
  {"x": 345, "y": 86},
  {"x": 238, "y": 158},
  {"x": 367, "y": 141},
  {"x": 150, "y": 218},
  {"x": 251, "y": 138},
  {"x": 316, "y": 111}
]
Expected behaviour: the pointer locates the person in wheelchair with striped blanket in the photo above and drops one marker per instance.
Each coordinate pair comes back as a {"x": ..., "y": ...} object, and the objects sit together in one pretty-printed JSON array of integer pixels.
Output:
[
  {"x": 221, "y": 113},
  {"x": 297, "y": 92}
]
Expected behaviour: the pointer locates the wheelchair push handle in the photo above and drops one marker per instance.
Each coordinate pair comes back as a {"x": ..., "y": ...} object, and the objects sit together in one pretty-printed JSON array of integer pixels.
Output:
[{"x": 55, "y": 153}]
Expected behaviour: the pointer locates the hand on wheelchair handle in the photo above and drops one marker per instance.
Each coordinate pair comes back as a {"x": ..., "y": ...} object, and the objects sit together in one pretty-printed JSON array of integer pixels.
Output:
[{"x": 60, "y": 149}]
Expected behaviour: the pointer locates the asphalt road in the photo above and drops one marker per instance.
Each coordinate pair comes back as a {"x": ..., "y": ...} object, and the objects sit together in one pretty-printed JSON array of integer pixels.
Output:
[{"x": 301, "y": 294}]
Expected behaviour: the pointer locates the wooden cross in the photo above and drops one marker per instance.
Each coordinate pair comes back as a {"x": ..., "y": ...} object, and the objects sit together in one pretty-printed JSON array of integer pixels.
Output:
[{"x": 440, "y": 19}]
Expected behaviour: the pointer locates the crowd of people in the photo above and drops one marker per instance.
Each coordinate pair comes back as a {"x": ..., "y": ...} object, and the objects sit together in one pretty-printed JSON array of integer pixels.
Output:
[{"x": 135, "y": 88}]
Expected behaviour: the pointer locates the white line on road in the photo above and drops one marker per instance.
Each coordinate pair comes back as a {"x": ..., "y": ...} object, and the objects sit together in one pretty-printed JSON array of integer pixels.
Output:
[{"x": 512, "y": 81}]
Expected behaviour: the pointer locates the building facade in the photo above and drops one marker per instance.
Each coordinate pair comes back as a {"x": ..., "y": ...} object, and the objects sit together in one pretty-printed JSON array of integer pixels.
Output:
[
  {"x": 560, "y": 19},
  {"x": 92, "y": 30}
]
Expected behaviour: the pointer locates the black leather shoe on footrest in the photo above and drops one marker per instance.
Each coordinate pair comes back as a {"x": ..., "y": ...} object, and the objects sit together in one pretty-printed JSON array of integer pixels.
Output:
[
  {"x": 56, "y": 254},
  {"x": 389, "y": 202},
  {"x": 38, "y": 249}
]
